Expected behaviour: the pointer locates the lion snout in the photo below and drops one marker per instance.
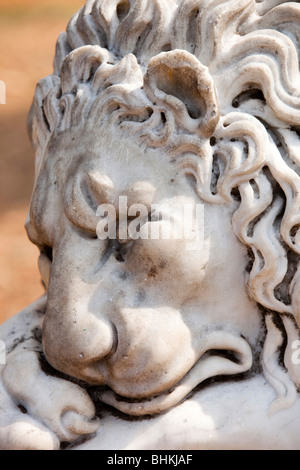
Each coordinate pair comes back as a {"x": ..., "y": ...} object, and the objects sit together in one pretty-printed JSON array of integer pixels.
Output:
[{"x": 80, "y": 349}]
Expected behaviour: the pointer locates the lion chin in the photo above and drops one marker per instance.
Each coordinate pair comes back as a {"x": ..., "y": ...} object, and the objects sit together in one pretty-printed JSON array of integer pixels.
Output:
[{"x": 224, "y": 354}]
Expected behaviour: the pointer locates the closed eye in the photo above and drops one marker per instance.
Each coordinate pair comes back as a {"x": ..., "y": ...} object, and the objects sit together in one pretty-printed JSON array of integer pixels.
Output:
[{"x": 82, "y": 198}]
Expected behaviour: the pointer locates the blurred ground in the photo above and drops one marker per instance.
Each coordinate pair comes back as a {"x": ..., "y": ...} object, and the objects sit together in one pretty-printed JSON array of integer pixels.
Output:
[{"x": 28, "y": 32}]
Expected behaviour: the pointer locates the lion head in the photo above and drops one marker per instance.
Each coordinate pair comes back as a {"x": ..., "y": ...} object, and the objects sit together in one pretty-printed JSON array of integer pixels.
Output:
[{"x": 170, "y": 102}]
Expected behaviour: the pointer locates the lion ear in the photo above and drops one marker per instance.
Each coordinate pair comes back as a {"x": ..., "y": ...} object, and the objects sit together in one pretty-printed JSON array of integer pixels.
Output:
[{"x": 178, "y": 81}]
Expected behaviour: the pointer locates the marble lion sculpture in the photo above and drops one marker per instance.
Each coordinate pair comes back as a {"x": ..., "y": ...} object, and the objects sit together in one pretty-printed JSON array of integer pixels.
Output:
[{"x": 174, "y": 102}]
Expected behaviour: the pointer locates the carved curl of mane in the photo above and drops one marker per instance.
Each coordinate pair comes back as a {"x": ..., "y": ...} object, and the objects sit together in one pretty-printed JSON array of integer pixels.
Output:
[{"x": 112, "y": 65}]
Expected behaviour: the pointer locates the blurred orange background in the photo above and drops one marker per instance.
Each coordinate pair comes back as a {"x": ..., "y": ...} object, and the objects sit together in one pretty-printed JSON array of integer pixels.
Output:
[{"x": 28, "y": 33}]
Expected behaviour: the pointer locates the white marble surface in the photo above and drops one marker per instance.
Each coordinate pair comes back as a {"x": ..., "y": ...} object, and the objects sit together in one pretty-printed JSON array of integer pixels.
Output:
[{"x": 231, "y": 415}]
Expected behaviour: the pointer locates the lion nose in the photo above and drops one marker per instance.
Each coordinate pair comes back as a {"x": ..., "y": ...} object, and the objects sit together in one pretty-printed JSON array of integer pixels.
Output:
[
  {"x": 101, "y": 341},
  {"x": 96, "y": 339},
  {"x": 92, "y": 362}
]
